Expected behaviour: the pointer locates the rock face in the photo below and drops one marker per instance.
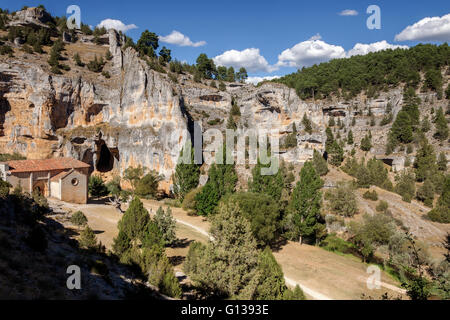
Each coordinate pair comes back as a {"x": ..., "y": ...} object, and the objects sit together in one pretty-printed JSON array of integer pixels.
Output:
[
  {"x": 138, "y": 116},
  {"x": 31, "y": 17}
]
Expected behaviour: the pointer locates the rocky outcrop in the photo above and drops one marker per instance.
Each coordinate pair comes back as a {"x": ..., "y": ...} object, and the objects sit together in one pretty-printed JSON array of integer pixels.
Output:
[
  {"x": 31, "y": 17},
  {"x": 138, "y": 116}
]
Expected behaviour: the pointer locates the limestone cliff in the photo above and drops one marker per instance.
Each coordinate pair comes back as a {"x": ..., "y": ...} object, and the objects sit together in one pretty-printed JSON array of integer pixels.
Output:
[{"x": 130, "y": 118}]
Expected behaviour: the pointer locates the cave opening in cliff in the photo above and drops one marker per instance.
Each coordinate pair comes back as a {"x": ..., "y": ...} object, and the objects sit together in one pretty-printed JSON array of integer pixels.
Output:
[{"x": 105, "y": 159}]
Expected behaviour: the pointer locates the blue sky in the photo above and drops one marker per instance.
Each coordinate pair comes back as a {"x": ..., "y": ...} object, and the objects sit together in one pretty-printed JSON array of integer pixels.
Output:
[{"x": 270, "y": 26}]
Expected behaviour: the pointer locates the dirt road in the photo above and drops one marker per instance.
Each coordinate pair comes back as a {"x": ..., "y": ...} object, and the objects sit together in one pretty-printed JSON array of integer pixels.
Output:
[{"x": 321, "y": 274}]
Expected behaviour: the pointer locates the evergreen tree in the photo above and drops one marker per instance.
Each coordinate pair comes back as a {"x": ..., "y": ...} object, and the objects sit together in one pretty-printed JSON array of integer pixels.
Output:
[
  {"x": 306, "y": 124},
  {"x": 350, "y": 140},
  {"x": 186, "y": 176},
  {"x": 441, "y": 126},
  {"x": 401, "y": 131},
  {"x": 97, "y": 187},
  {"x": 166, "y": 225},
  {"x": 406, "y": 186},
  {"x": 222, "y": 180},
  {"x": 366, "y": 143},
  {"x": 442, "y": 162},
  {"x": 148, "y": 43},
  {"x": 226, "y": 266},
  {"x": 426, "y": 193},
  {"x": 88, "y": 240},
  {"x": 134, "y": 220},
  {"x": 271, "y": 284},
  {"x": 306, "y": 202},
  {"x": 320, "y": 164},
  {"x": 261, "y": 211},
  {"x": 230, "y": 74},
  {"x": 425, "y": 162},
  {"x": 272, "y": 185}
]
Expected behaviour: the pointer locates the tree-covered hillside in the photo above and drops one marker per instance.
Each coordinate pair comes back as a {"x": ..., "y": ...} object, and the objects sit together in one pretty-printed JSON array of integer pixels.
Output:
[{"x": 372, "y": 72}]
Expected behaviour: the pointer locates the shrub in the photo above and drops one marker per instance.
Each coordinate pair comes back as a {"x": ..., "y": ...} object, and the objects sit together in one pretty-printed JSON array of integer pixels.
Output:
[
  {"x": 97, "y": 187},
  {"x": 342, "y": 200},
  {"x": 6, "y": 50},
  {"x": 4, "y": 188},
  {"x": 147, "y": 187},
  {"x": 189, "y": 200},
  {"x": 96, "y": 65},
  {"x": 79, "y": 219},
  {"x": 371, "y": 195},
  {"x": 426, "y": 193},
  {"x": 439, "y": 214},
  {"x": 87, "y": 239},
  {"x": 406, "y": 186},
  {"x": 166, "y": 225},
  {"x": 382, "y": 206},
  {"x": 261, "y": 211},
  {"x": 106, "y": 74},
  {"x": 335, "y": 244}
]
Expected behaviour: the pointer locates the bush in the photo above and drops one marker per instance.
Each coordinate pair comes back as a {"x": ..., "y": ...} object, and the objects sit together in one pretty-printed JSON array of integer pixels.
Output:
[
  {"x": 342, "y": 200},
  {"x": 79, "y": 219},
  {"x": 335, "y": 244},
  {"x": 426, "y": 193},
  {"x": 406, "y": 186},
  {"x": 189, "y": 204},
  {"x": 6, "y": 50},
  {"x": 147, "y": 187},
  {"x": 97, "y": 187},
  {"x": 439, "y": 214},
  {"x": 87, "y": 239},
  {"x": 4, "y": 188},
  {"x": 106, "y": 74},
  {"x": 261, "y": 211},
  {"x": 100, "y": 268},
  {"x": 382, "y": 206},
  {"x": 371, "y": 195}
]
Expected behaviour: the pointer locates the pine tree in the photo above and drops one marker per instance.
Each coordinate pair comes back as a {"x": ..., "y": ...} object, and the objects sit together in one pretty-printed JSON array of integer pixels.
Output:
[
  {"x": 88, "y": 239},
  {"x": 134, "y": 220},
  {"x": 271, "y": 284},
  {"x": 426, "y": 193},
  {"x": 366, "y": 143},
  {"x": 320, "y": 164},
  {"x": 306, "y": 202},
  {"x": 350, "y": 140},
  {"x": 222, "y": 180},
  {"x": 227, "y": 265},
  {"x": 442, "y": 162},
  {"x": 425, "y": 162},
  {"x": 441, "y": 126},
  {"x": 186, "y": 176},
  {"x": 166, "y": 225},
  {"x": 271, "y": 185},
  {"x": 307, "y": 124},
  {"x": 401, "y": 130}
]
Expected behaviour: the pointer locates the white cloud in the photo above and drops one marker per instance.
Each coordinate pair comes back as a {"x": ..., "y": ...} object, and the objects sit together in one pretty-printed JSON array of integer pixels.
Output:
[
  {"x": 249, "y": 58},
  {"x": 310, "y": 52},
  {"x": 256, "y": 80},
  {"x": 176, "y": 37},
  {"x": 362, "y": 49},
  {"x": 348, "y": 12},
  {"x": 427, "y": 29},
  {"x": 116, "y": 24}
]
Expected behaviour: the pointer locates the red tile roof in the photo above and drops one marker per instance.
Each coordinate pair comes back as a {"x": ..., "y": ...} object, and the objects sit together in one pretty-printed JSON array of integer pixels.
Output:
[
  {"x": 61, "y": 175},
  {"x": 45, "y": 165}
]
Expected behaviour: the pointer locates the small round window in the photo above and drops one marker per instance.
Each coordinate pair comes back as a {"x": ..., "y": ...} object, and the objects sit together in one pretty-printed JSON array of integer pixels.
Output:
[{"x": 75, "y": 181}]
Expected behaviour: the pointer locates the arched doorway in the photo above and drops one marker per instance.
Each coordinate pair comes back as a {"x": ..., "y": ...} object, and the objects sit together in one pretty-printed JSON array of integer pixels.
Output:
[{"x": 41, "y": 188}]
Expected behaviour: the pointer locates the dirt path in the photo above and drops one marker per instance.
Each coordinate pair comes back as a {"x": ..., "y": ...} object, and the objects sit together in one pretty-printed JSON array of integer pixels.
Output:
[
  {"x": 312, "y": 268},
  {"x": 322, "y": 275}
]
